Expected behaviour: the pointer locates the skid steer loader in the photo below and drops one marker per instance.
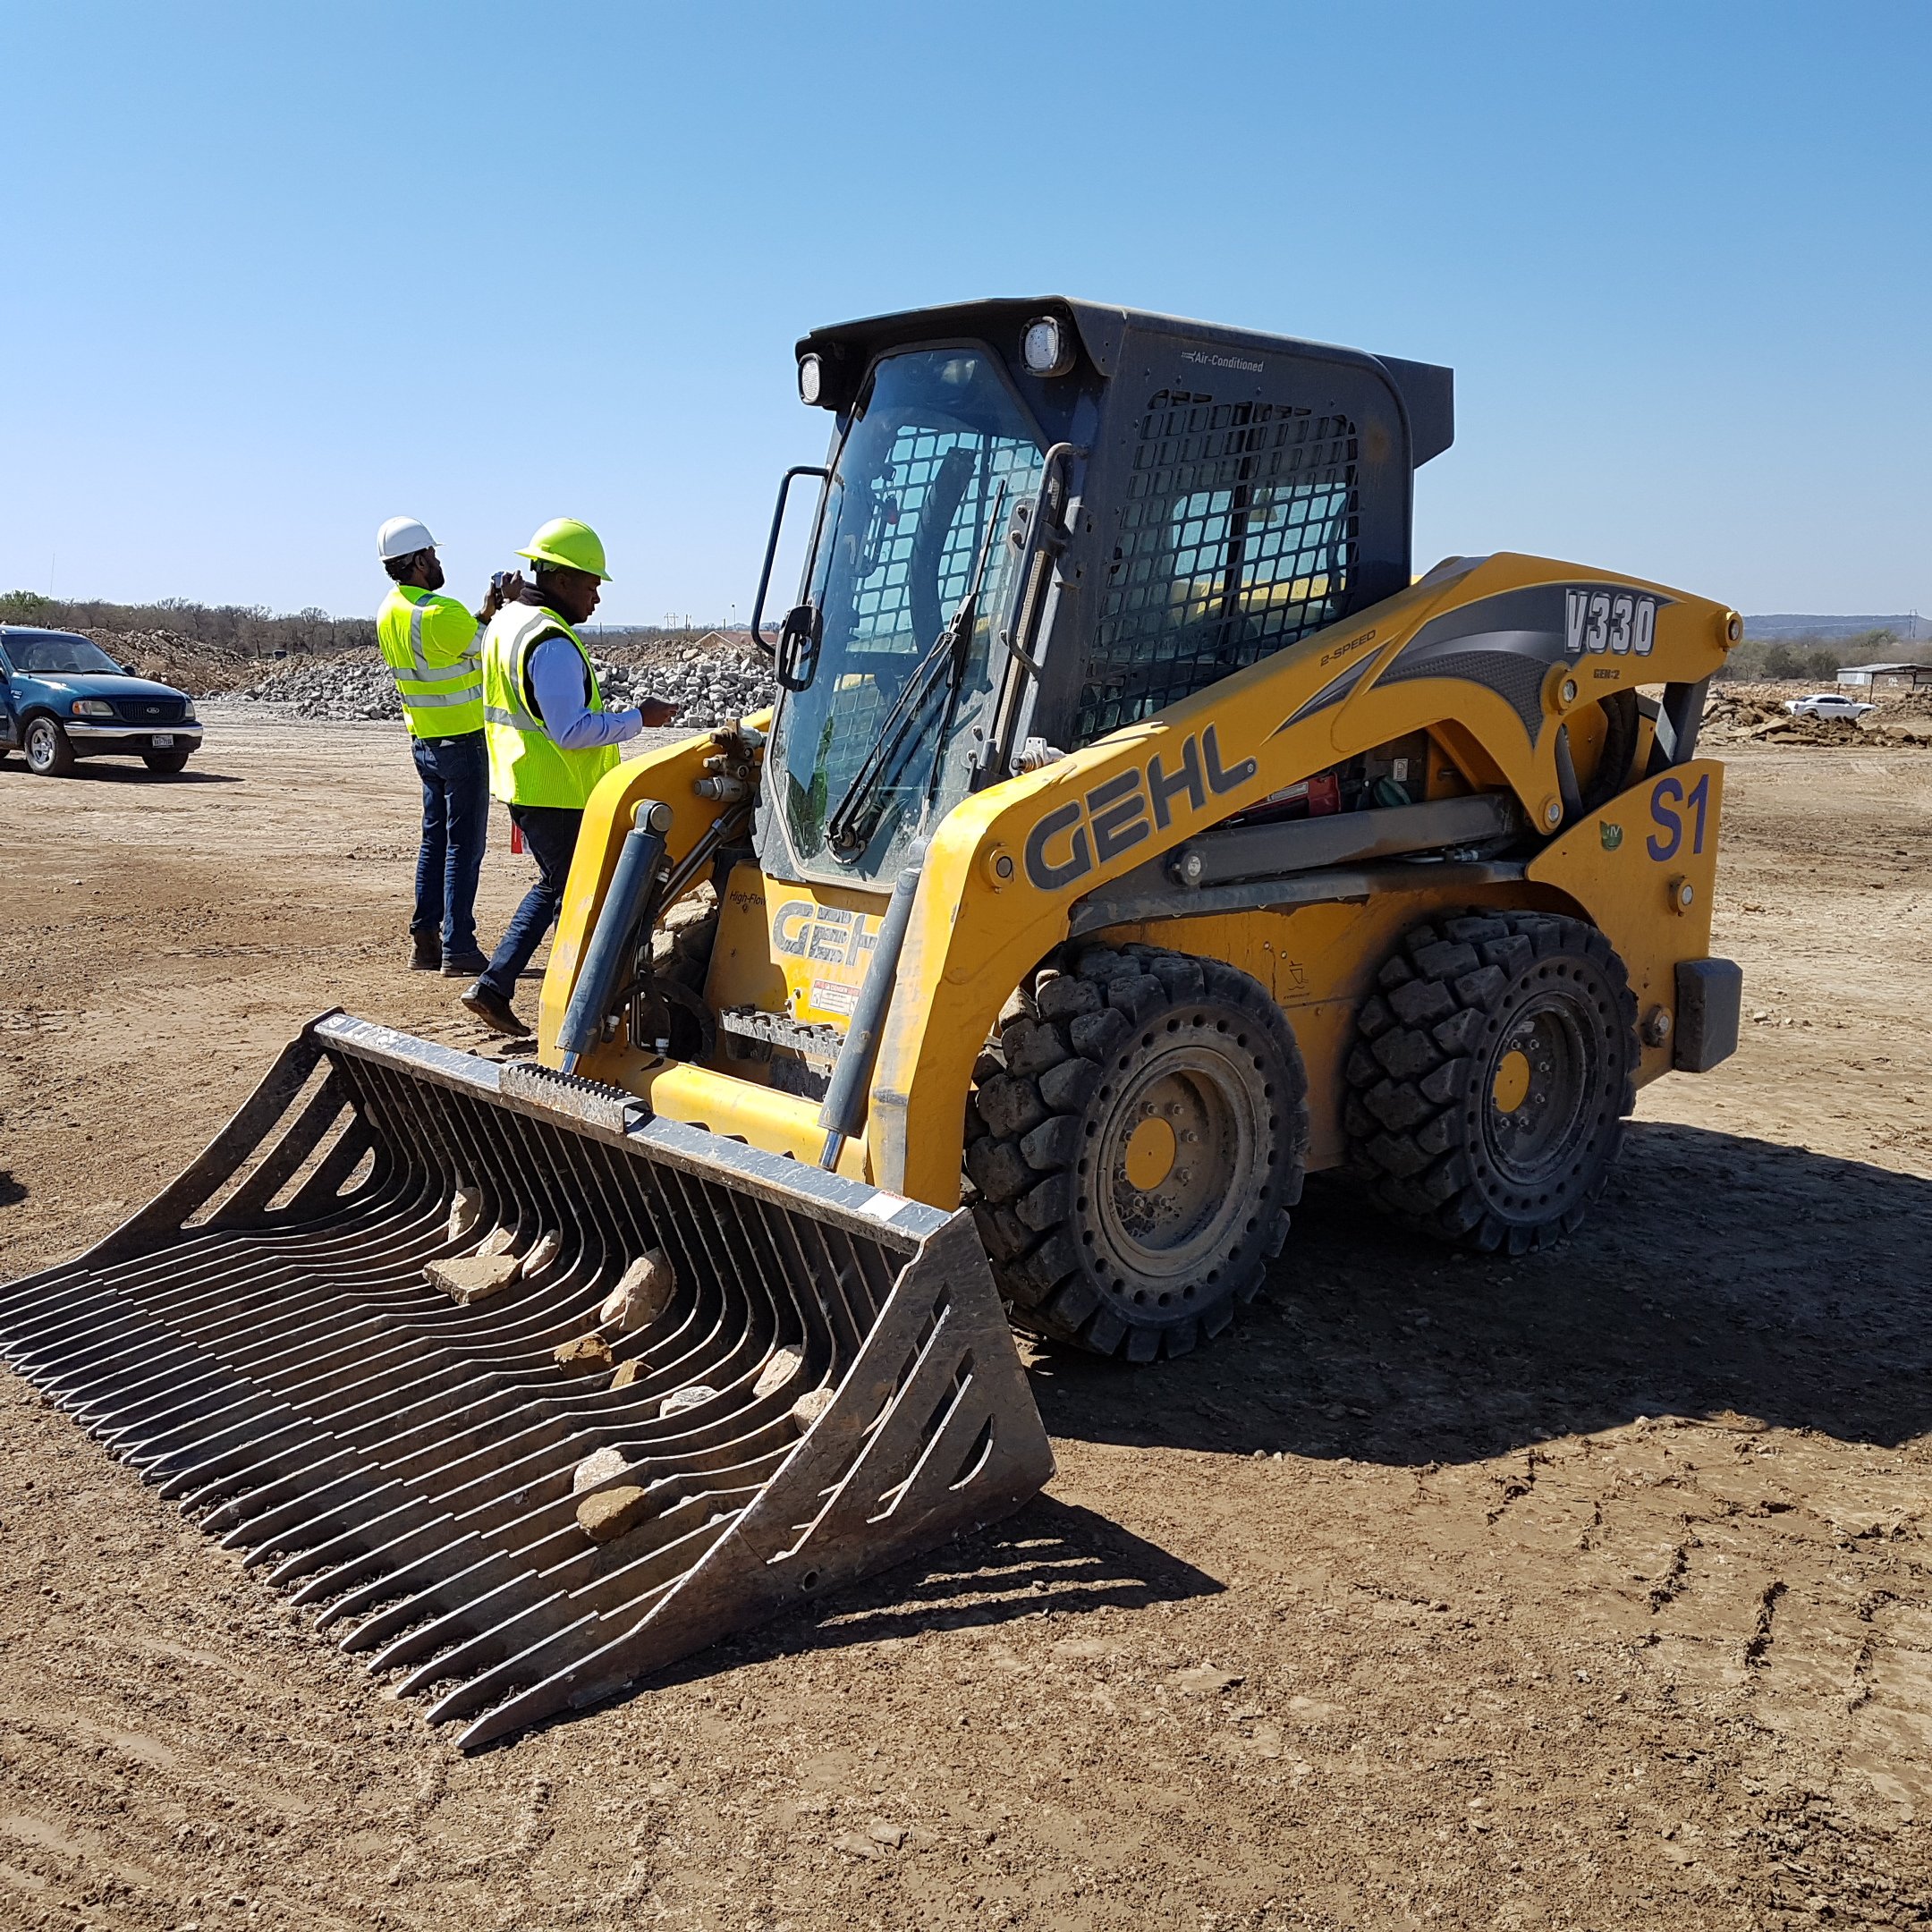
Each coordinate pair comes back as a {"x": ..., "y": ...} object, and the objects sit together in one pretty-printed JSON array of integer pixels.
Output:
[{"x": 1133, "y": 835}]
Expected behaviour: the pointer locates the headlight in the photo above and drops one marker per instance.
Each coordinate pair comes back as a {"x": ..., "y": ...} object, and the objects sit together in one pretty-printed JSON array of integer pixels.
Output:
[
  {"x": 92, "y": 708},
  {"x": 810, "y": 379},
  {"x": 1046, "y": 348},
  {"x": 188, "y": 713}
]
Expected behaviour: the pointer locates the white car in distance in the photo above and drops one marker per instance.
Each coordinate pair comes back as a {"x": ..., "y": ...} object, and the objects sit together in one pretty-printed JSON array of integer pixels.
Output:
[{"x": 1828, "y": 704}]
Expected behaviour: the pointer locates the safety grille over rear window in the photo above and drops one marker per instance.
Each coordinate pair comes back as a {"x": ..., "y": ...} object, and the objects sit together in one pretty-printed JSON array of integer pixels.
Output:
[{"x": 1239, "y": 537}]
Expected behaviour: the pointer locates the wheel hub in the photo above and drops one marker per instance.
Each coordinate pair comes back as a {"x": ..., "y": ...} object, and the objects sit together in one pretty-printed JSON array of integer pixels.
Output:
[
  {"x": 1150, "y": 1153},
  {"x": 1170, "y": 1166},
  {"x": 1510, "y": 1087},
  {"x": 1537, "y": 1091}
]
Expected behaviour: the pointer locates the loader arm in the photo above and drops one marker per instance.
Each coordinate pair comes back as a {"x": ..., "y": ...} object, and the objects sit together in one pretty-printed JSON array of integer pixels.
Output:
[{"x": 670, "y": 775}]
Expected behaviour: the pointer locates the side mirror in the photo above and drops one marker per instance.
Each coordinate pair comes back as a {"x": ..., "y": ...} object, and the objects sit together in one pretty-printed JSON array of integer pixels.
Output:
[{"x": 798, "y": 646}]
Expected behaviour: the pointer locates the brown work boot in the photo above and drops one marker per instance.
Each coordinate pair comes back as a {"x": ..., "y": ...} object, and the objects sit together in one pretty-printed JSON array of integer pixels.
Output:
[
  {"x": 425, "y": 953},
  {"x": 494, "y": 1010}
]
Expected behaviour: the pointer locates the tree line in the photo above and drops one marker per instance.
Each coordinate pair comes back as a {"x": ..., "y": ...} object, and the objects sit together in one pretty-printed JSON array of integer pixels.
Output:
[
  {"x": 250, "y": 630},
  {"x": 1813, "y": 660}
]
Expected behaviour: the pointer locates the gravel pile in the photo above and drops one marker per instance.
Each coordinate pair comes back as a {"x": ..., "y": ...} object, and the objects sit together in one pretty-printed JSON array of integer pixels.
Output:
[
  {"x": 356, "y": 685},
  {"x": 1895, "y": 707},
  {"x": 1741, "y": 712},
  {"x": 201, "y": 670},
  {"x": 709, "y": 687}
]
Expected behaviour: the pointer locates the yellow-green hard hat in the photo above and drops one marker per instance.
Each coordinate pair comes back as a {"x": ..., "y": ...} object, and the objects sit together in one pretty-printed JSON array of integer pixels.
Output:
[{"x": 569, "y": 545}]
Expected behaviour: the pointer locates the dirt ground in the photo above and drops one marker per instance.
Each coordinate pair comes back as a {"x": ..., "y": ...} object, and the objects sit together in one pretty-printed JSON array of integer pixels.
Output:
[{"x": 1588, "y": 1590}]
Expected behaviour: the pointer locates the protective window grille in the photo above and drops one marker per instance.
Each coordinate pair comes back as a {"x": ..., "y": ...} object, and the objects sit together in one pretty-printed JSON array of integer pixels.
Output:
[
  {"x": 1239, "y": 535},
  {"x": 882, "y": 602}
]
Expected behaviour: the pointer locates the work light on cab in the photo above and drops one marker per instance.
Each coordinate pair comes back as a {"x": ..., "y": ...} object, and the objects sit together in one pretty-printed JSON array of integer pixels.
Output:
[{"x": 1046, "y": 349}]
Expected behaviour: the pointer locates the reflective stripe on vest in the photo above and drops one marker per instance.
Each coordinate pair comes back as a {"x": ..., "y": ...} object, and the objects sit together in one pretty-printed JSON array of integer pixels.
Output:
[
  {"x": 526, "y": 766},
  {"x": 438, "y": 700}
]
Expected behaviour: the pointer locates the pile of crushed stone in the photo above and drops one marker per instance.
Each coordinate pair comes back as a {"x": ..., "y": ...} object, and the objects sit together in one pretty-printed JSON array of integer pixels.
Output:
[
  {"x": 713, "y": 687},
  {"x": 710, "y": 688},
  {"x": 353, "y": 686},
  {"x": 201, "y": 670},
  {"x": 1741, "y": 713}
]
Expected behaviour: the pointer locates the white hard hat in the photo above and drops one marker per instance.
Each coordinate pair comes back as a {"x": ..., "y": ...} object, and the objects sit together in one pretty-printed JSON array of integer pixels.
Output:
[{"x": 401, "y": 536}]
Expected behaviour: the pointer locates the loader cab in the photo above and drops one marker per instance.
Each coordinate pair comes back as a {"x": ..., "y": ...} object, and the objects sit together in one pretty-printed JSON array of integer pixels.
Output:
[{"x": 1042, "y": 521}]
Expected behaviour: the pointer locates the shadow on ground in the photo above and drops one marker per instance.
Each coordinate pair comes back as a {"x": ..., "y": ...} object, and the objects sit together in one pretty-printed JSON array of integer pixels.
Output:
[
  {"x": 1052, "y": 1556},
  {"x": 11, "y": 1190},
  {"x": 102, "y": 772},
  {"x": 1718, "y": 1273}
]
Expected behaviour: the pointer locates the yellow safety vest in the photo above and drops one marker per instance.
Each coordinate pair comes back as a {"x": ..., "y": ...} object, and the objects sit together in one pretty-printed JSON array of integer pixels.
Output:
[
  {"x": 527, "y": 765},
  {"x": 429, "y": 642}
]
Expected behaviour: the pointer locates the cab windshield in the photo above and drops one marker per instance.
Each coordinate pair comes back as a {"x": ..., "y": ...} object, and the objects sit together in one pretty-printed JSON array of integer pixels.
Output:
[
  {"x": 37, "y": 656},
  {"x": 882, "y": 741}
]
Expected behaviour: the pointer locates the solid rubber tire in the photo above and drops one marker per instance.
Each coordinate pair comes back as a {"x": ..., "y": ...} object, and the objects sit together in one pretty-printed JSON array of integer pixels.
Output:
[
  {"x": 1422, "y": 1076},
  {"x": 1068, "y": 1049}
]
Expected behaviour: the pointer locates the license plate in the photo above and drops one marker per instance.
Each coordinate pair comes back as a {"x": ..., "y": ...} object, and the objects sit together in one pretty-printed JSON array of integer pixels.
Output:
[{"x": 164, "y": 741}]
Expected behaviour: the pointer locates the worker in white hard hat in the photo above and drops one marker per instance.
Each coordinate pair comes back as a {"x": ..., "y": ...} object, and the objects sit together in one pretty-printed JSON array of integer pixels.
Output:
[{"x": 432, "y": 645}]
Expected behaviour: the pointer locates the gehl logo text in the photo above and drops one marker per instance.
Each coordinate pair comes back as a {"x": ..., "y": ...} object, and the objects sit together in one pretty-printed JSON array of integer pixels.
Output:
[
  {"x": 828, "y": 933},
  {"x": 1122, "y": 811}
]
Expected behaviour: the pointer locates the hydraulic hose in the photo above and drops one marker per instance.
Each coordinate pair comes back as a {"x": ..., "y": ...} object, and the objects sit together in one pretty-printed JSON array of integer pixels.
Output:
[
  {"x": 625, "y": 906},
  {"x": 842, "y": 1111}
]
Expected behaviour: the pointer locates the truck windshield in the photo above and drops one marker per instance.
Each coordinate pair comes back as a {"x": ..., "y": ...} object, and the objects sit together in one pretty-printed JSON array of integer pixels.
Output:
[
  {"x": 938, "y": 447},
  {"x": 54, "y": 653}
]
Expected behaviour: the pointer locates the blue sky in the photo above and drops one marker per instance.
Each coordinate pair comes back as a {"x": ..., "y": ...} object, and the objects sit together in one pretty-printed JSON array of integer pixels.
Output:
[{"x": 274, "y": 273}]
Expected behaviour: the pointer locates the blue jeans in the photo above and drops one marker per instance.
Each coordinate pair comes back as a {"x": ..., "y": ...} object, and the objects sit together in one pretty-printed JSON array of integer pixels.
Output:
[
  {"x": 550, "y": 835},
  {"x": 455, "y": 826}
]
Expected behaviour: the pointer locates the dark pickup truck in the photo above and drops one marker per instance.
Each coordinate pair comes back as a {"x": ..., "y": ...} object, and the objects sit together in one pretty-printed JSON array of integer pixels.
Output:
[{"x": 63, "y": 698}]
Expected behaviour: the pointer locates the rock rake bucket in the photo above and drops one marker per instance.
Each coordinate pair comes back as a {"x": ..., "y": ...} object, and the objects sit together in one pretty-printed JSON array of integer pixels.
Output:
[{"x": 698, "y": 1383}]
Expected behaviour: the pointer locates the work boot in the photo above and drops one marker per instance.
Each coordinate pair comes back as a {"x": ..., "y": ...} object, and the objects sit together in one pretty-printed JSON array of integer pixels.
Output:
[
  {"x": 494, "y": 1010},
  {"x": 425, "y": 953},
  {"x": 463, "y": 965}
]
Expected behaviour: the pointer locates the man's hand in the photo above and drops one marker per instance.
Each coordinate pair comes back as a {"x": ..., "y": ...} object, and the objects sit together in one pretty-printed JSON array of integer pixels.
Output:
[
  {"x": 656, "y": 712},
  {"x": 505, "y": 588}
]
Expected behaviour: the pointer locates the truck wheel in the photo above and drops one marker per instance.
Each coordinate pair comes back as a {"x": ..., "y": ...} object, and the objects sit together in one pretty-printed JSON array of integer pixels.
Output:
[
  {"x": 1491, "y": 1078},
  {"x": 1133, "y": 1148},
  {"x": 164, "y": 761},
  {"x": 49, "y": 754}
]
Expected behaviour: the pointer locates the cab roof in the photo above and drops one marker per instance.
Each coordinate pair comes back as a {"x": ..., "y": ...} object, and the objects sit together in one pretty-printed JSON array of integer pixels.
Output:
[{"x": 1425, "y": 391}]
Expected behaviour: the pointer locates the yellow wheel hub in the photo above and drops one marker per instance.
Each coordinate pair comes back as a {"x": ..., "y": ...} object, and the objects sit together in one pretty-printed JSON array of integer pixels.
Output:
[
  {"x": 1150, "y": 1153},
  {"x": 1511, "y": 1085}
]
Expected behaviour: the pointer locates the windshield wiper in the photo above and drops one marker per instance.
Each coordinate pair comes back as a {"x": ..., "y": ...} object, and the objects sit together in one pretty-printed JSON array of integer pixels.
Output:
[{"x": 855, "y": 817}]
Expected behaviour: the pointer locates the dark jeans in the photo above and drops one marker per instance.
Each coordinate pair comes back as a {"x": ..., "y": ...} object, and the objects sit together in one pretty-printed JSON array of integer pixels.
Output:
[
  {"x": 455, "y": 826},
  {"x": 550, "y": 833}
]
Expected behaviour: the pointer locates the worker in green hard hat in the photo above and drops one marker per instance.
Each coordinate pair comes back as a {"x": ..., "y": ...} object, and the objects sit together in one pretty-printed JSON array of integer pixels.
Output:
[{"x": 549, "y": 737}]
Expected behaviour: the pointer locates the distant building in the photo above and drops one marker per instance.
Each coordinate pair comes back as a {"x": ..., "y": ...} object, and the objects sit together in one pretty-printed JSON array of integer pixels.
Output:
[{"x": 1888, "y": 677}]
